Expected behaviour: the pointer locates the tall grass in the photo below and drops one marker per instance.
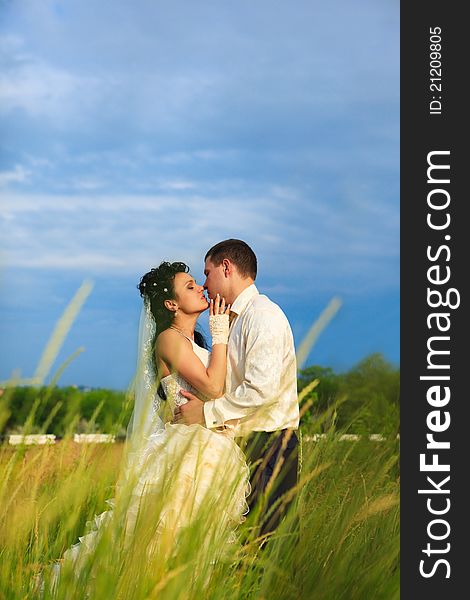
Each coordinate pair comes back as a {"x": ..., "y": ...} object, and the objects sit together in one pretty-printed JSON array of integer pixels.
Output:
[{"x": 339, "y": 540}]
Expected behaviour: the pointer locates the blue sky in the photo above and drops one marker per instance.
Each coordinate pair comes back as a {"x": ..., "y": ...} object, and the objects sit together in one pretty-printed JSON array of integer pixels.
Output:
[{"x": 136, "y": 132}]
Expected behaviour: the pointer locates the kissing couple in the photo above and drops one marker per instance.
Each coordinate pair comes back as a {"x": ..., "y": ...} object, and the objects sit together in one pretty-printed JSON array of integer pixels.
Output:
[{"x": 211, "y": 431}]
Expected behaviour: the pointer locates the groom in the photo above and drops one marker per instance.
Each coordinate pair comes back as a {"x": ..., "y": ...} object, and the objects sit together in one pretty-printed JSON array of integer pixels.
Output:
[{"x": 260, "y": 400}]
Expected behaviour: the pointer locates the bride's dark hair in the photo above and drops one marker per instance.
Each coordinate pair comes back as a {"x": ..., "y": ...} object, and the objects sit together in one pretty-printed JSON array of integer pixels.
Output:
[{"x": 155, "y": 287}]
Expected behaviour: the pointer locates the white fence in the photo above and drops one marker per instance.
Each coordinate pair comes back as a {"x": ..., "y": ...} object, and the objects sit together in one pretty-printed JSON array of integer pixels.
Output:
[
  {"x": 347, "y": 437},
  {"x": 45, "y": 438},
  {"x": 107, "y": 438},
  {"x": 94, "y": 438},
  {"x": 50, "y": 438}
]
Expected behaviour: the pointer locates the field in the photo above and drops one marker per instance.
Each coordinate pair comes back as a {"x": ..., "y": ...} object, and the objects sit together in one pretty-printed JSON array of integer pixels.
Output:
[{"x": 341, "y": 539}]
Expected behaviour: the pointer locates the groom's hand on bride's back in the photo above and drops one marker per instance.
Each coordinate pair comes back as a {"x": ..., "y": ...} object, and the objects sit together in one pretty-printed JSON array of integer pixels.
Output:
[{"x": 190, "y": 413}]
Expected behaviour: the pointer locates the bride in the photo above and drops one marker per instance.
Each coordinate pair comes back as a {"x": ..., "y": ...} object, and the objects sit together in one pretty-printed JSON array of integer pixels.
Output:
[{"x": 177, "y": 474}]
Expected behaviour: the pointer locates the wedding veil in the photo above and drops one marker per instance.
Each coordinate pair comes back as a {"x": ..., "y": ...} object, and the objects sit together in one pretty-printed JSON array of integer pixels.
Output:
[{"x": 145, "y": 419}]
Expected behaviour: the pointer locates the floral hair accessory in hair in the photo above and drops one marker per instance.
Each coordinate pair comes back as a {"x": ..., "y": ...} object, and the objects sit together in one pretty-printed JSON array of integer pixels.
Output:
[{"x": 165, "y": 289}]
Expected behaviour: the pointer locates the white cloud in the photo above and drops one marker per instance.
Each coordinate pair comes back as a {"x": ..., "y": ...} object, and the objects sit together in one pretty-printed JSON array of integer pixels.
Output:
[
  {"x": 154, "y": 71},
  {"x": 140, "y": 142},
  {"x": 43, "y": 90},
  {"x": 18, "y": 175},
  {"x": 93, "y": 234},
  {"x": 178, "y": 185}
]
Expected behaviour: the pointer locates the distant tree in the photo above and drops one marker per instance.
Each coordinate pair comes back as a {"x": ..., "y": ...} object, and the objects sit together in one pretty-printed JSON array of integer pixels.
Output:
[
  {"x": 364, "y": 399},
  {"x": 322, "y": 397},
  {"x": 372, "y": 388},
  {"x": 60, "y": 409}
]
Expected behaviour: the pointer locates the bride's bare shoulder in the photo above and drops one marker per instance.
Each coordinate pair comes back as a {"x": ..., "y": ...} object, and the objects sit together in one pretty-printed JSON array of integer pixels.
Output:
[
  {"x": 171, "y": 348},
  {"x": 169, "y": 339},
  {"x": 166, "y": 336}
]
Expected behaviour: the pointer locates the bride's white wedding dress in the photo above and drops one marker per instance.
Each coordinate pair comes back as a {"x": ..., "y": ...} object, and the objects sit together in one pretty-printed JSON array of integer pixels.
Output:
[{"x": 191, "y": 467}]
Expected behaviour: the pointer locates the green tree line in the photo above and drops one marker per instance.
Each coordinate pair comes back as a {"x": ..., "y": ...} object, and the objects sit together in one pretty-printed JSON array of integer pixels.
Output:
[
  {"x": 364, "y": 399},
  {"x": 62, "y": 410}
]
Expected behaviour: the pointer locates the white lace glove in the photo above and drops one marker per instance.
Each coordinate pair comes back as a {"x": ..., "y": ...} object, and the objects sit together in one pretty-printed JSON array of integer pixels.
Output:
[{"x": 218, "y": 326}]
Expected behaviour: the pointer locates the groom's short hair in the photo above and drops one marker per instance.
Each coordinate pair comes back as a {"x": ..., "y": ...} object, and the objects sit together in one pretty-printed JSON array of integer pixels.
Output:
[{"x": 237, "y": 251}]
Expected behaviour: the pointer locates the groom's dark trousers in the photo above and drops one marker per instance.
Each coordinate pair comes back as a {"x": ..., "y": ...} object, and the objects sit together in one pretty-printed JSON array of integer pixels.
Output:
[{"x": 273, "y": 458}]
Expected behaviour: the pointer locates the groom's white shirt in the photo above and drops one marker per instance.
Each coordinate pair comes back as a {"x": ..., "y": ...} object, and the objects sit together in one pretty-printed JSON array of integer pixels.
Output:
[{"x": 261, "y": 382}]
